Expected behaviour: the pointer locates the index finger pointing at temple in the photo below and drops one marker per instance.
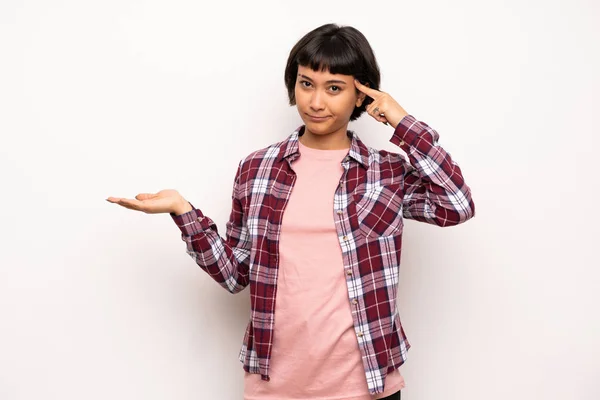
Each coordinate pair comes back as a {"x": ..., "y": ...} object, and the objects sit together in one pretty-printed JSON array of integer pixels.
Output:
[{"x": 373, "y": 93}]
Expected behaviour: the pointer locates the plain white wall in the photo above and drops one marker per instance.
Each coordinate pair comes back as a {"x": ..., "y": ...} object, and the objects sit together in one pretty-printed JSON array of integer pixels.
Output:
[{"x": 115, "y": 98}]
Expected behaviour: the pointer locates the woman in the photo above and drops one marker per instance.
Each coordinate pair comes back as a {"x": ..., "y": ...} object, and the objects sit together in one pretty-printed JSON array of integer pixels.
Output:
[{"x": 316, "y": 230}]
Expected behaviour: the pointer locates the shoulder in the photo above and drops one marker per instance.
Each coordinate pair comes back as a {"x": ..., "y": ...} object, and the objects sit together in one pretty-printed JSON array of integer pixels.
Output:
[
  {"x": 261, "y": 159},
  {"x": 379, "y": 159}
]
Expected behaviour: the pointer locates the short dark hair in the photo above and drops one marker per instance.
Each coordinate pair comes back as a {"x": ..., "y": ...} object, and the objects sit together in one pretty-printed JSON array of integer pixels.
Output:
[{"x": 338, "y": 49}]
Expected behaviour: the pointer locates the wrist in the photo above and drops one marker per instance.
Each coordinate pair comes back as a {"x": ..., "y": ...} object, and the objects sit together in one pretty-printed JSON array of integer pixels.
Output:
[
  {"x": 183, "y": 207},
  {"x": 399, "y": 119}
]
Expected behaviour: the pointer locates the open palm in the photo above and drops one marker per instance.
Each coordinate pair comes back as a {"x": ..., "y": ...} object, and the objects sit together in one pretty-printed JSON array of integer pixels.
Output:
[{"x": 165, "y": 201}]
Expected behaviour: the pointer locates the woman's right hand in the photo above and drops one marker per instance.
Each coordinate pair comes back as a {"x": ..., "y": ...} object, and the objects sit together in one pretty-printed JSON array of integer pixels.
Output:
[{"x": 165, "y": 201}]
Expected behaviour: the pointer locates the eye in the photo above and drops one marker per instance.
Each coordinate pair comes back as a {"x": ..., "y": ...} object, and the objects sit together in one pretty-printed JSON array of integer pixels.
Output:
[
  {"x": 302, "y": 83},
  {"x": 337, "y": 88}
]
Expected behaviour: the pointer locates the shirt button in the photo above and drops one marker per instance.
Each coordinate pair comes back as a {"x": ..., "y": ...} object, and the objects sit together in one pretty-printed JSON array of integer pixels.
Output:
[
  {"x": 401, "y": 143},
  {"x": 341, "y": 184},
  {"x": 348, "y": 272},
  {"x": 354, "y": 301},
  {"x": 339, "y": 212},
  {"x": 345, "y": 238},
  {"x": 360, "y": 334}
]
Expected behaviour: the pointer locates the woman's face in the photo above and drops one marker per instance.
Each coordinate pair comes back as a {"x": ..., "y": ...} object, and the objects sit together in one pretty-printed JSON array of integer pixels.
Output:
[{"x": 325, "y": 101}]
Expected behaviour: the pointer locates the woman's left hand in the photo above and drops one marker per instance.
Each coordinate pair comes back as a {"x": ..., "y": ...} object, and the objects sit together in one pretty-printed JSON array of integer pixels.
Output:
[{"x": 383, "y": 108}]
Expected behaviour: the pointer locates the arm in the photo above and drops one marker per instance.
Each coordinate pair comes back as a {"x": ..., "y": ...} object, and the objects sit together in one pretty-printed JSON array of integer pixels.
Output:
[
  {"x": 225, "y": 260},
  {"x": 434, "y": 189}
]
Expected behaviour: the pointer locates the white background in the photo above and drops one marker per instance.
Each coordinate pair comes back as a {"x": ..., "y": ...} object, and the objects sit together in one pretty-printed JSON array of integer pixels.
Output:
[{"x": 115, "y": 98}]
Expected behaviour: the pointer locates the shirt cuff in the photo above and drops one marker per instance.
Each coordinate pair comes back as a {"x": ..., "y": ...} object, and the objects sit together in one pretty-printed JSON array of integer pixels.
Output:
[
  {"x": 192, "y": 222},
  {"x": 407, "y": 132}
]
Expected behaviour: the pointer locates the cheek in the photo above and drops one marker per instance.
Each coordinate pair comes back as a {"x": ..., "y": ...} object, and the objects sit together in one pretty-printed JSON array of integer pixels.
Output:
[
  {"x": 299, "y": 97},
  {"x": 346, "y": 105}
]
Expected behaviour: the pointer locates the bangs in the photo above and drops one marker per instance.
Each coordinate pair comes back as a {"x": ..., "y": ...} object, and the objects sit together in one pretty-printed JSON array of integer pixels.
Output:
[{"x": 331, "y": 54}]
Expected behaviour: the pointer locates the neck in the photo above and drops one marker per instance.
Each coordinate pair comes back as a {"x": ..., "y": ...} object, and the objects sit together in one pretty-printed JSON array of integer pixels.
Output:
[{"x": 337, "y": 140}]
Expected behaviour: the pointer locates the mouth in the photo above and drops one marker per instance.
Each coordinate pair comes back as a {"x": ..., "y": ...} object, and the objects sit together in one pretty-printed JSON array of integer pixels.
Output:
[{"x": 317, "y": 119}]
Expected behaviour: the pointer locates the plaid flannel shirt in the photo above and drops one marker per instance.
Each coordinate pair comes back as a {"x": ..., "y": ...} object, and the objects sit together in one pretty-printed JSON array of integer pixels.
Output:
[{"x": 376, "y": 191}]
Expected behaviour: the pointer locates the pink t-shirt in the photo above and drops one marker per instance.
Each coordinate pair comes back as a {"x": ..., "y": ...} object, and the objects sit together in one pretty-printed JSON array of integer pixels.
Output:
[{"x": 315, "y": 351}]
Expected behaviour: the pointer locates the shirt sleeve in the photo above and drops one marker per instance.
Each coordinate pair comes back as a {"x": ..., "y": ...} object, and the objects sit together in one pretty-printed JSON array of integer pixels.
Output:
[
  {"x": 434, "y": 188},
  {"x": 226, "y": 260}
]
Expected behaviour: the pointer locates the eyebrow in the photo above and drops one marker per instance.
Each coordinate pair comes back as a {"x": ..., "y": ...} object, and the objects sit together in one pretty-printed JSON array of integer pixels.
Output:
[{"x": 330, "y": 81}]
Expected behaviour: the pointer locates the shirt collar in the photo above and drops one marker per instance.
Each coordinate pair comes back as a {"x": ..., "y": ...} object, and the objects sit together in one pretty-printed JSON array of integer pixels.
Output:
[{"x": 358, "y": 150}]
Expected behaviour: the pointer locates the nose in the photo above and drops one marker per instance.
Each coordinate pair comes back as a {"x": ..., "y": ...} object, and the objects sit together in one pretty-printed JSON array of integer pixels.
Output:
[{"x": 316, "y": 101}]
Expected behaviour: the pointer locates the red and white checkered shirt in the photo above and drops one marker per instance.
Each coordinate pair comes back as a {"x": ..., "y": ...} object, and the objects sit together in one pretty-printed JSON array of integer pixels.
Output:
[{"x": 376, "y": 191}]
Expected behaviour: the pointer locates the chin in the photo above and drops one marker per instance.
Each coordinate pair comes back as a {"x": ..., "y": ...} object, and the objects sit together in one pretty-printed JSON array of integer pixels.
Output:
[{"x": 316, "y": 128}]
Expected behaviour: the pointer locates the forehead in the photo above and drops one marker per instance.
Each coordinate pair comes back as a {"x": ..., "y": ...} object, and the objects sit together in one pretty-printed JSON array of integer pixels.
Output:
[{"x": 323, "y": 76}]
